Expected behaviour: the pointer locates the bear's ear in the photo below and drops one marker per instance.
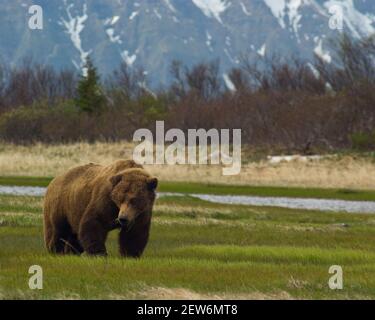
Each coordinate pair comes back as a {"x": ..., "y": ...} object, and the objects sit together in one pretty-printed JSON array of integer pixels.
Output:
[
  {"x": 152, "y": 184},
  {"x": 115, "y": 179}
]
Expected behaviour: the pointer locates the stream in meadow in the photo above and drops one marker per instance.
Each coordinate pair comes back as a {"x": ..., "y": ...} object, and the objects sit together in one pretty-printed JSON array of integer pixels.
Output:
[{"x": 292, "y": 203}]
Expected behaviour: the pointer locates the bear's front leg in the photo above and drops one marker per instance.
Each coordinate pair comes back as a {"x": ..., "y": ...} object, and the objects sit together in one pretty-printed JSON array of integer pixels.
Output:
[
  {"x": 92, "y": 236},
  {"x": 133, "y": 242}
]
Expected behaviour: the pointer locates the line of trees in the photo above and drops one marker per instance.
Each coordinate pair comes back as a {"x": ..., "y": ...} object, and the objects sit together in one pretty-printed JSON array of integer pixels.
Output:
[{"x": 293, "y": 105}]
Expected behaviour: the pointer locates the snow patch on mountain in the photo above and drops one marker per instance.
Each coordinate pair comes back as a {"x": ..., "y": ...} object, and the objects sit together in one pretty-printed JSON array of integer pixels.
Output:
[
  {"x": 294, "y": 15},
  {"x": 209, "y": 41},
  {"x": 157, "y": 14},
  {"x": 244, "y": 9},
  {"x": 212, "y": 8},
  {"x": 228, "y": 83},
  {"x": 277, "y": 8},
  {"x": 74, "y": 26},
  {"x": 169, "y": 5},
  {"x": 133, "y": 15},
  {"x": 324, "y": 55},
  {"x": 111, "y": 34},
  {"x": 262, "y": 50},
  {"x": 233, "y": 60},
  {"x": 129, "y": 59},
  {"x": 111, "y": 21},
  {"x": 314, "y": 70},
  {"x": 282, "y": 9}
]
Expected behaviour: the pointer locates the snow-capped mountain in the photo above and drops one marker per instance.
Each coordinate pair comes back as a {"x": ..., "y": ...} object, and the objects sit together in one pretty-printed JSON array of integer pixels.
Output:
[{"x": 152, "y": 33}]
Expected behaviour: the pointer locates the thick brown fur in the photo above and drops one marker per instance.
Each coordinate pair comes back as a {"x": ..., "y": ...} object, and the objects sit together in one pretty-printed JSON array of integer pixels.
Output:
[{"x": 84, "y": 204}]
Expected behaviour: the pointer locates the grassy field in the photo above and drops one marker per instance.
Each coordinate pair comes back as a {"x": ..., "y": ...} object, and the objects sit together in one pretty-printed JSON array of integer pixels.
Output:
[
  {"x": 342, "y": 171},
  {"x": 198, "y": 250}
]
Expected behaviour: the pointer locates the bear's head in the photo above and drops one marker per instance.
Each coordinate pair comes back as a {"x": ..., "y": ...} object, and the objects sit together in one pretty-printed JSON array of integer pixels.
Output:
[{"x": 133, "y": 192}]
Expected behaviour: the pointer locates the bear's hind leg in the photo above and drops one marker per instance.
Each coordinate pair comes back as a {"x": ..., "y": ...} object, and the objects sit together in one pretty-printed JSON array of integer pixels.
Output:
[
  {"x": 72, "y": 245},
  {"x": 56, "y": 233},
  {"x": 54, "y": 242}
]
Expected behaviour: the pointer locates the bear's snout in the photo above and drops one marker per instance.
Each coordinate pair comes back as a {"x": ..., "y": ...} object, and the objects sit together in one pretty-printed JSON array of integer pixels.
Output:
[
  {"x": 126, "y": 215},
  {"x": 124, "y": 222}
]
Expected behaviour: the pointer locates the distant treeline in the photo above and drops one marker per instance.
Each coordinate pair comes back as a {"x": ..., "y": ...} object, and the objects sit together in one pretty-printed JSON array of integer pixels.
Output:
[{"x": 292, "y": 104}]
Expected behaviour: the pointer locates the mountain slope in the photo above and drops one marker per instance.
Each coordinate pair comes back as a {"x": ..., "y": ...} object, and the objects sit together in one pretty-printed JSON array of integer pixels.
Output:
[{"x": 152, "y": 33}]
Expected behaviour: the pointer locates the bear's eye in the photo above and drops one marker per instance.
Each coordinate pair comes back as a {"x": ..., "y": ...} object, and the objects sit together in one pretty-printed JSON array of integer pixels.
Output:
[{"x": 137, "y": 202}]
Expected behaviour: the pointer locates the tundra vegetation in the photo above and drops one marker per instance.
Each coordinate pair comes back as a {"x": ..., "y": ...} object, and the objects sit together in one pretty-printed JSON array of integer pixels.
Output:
[{"x": 288, "y": 105}]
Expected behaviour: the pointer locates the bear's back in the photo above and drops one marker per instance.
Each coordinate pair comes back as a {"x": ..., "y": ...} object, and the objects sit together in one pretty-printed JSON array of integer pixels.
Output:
[
  {"x": 74, "y": 184},
  {"x": 78, "y": 175},
  {"x": 83, "y": 179},
  {"x": 119, "y": 166}
]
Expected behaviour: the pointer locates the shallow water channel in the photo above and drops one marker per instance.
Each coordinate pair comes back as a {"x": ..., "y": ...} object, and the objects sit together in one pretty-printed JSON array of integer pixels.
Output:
[{"x": 292, "y": 203}]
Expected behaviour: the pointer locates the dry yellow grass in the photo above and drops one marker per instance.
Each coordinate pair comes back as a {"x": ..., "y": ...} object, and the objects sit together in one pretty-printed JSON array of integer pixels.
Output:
[
  {"x": 161, "y": 293},
  {"x": 48, "y": 160}
]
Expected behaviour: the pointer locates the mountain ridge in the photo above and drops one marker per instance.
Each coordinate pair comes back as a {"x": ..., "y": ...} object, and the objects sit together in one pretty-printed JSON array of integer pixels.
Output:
[{"x": 153, "y": 33}]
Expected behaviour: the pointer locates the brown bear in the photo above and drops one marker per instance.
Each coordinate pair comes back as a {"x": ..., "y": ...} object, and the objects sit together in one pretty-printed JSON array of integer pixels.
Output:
[{"x": 84, "y": 204}]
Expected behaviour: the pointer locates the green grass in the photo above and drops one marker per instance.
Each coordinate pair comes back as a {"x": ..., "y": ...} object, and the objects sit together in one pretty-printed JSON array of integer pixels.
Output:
[
  {"x": 25, "y": 181},
  {"x": 206, "y": 248},
  {"x": 323, "y": 193},
  {"x": 183, "y": 187}
]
